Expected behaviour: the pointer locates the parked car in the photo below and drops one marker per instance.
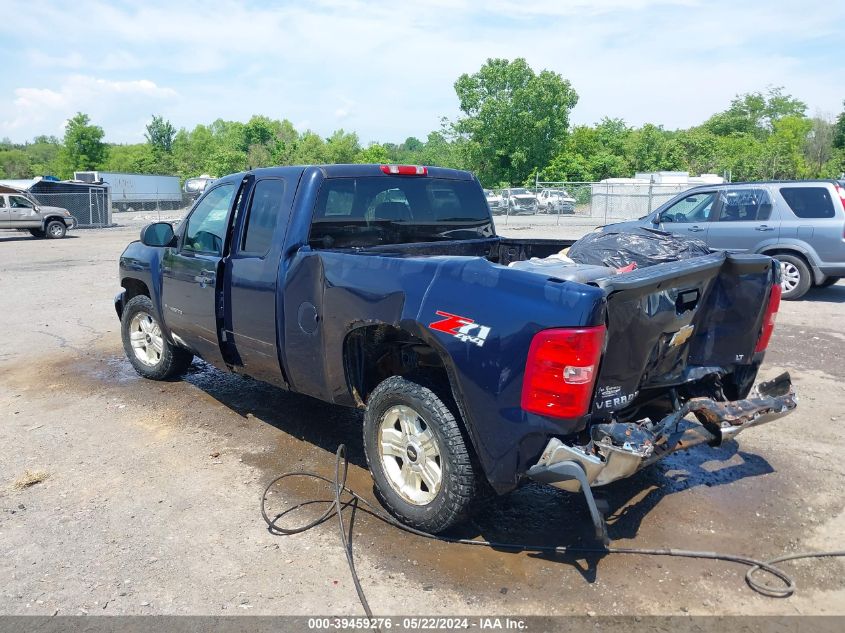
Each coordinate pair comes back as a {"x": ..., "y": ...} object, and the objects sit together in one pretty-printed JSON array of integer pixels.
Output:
[
  {"x": 801, "y": 223},
  {"x": 343, "y": 282},
  {"x": 555, "y": 201},
  {"x": 519, "y": 201},
  {"x": 195, "y": 187},
  {"x": 19, "y": 211},
  {"x": 494, "y": 200}
]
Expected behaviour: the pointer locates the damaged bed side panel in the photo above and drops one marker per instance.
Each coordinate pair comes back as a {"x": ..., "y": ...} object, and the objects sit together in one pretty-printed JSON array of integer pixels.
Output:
[{"x": 484, "y": 359}]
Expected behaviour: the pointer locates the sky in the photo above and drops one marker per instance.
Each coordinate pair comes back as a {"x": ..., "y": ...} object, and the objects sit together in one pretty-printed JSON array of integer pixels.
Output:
[{"x": 386, "y": 70}]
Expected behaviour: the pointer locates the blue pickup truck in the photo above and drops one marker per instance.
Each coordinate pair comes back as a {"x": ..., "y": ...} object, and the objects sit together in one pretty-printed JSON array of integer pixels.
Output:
[{"x": 386, "y": 288}]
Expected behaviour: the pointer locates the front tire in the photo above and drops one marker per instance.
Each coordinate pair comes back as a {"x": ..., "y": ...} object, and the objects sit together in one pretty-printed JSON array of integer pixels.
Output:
[
  {"x": 796, "y": 277},
  {"x": 417, "y": 455},
  {"x": 55, "y": 230},
  {"x": 149, "y": 352}
]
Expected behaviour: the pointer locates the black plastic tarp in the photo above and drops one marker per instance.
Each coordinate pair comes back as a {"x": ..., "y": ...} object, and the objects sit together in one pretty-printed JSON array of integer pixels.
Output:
[{"x": 642, "y": 246}]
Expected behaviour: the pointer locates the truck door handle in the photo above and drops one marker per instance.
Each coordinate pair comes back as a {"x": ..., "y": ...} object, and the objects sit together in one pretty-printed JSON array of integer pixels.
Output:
[
  {"x": 695, "y": 229},
  {"x": 764, "y": 227}
]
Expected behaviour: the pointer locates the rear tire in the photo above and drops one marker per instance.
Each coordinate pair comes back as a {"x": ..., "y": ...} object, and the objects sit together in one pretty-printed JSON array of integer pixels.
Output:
[
  {"x": 796, "y": 277},
  {"x": 55, "y": 230},
  {"x": 145, "y": 345},
  {"x": 417, "y": 455}
]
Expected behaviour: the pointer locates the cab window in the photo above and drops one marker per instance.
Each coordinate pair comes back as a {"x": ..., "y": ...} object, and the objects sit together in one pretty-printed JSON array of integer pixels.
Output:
[
  {"x": 264, "y": 212},
  {"x": 207, "y": 224},
  {"x": 745, "y": 205},
  {"x": 19, "y": 202},
  {"x": 695, "y": 207}
]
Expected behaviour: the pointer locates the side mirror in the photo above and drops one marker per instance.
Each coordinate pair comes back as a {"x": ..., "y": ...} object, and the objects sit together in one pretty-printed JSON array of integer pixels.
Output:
[
  {"x": 158, "y": 234},
  {"x": 655, "y": 220}
]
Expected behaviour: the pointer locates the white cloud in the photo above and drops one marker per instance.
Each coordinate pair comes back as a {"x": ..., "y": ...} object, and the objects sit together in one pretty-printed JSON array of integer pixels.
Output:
[
  {"x": 98, "y": 97},
  {"x": 388, "y": 73}
]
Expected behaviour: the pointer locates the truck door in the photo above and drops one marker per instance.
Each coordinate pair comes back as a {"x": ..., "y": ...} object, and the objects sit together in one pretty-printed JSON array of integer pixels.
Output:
[
  {"x": 252, "y": 322},
  {"x": 689, "y": 216},
  {"x": 5, "y": 217},
  {"x": 189, "y": 274},
  {"x": 747, "y": 220},
  {"x": 22, "y": 213}
]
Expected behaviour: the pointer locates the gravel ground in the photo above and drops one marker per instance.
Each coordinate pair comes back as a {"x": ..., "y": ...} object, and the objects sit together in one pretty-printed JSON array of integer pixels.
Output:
[{"x": 124, "y": 496}]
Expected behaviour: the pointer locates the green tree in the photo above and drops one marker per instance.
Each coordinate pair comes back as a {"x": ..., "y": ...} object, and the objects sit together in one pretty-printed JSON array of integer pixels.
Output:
[
  {"x": 818, "y": 146},
  {"x": 310, "y": 149},
  {"x": 342, "y": 147},
  {"x": 839, "y": 131},
  {"x": 43, "y": 154},
  {"x": 15, "y": 163},
  {"x": 136, "y": 158},
  {"x": 83, "y": 148},
  {"x": 375, "y": 153},
  {"x": 160, "y": 134},
  {"x": 514, "y": 119},
  {"x": 783, "y": 152},
  {"x": 755, "y": 113}
]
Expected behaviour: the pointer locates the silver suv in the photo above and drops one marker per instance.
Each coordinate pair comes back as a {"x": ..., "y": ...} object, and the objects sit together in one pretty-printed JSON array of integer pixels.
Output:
[
  {"x": 802, "y": 223},
  {"x": 20, "y": 212}
]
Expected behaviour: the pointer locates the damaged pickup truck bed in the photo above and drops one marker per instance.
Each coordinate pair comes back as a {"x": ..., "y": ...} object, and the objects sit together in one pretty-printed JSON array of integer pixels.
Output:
[{"x": 386, "y": 288}]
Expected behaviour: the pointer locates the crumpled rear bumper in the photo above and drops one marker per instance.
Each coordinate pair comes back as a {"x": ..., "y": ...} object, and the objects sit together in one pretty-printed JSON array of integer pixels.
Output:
[{"x": 618, "y": 450}]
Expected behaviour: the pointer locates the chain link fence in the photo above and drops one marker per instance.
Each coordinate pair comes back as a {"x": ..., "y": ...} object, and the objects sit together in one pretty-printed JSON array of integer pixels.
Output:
[
  {"x": 95, "y": 208},
  {"x": 598, "y": 202}
]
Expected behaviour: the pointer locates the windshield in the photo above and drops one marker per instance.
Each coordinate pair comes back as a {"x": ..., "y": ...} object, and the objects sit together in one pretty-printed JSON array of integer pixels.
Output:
[
  {"x": 374, "y": 210},
  {"x": 518, "y": 192}
]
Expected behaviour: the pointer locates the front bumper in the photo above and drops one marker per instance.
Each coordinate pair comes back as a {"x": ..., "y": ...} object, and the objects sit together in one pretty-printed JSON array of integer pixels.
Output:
[
  {"x": 71, "y": 222},
  {"x": 618, "y": 450}
]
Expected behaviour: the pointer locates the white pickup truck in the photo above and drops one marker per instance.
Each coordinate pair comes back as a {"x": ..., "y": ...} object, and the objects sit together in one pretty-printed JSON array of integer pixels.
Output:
[{"x": 18, "y": 211}]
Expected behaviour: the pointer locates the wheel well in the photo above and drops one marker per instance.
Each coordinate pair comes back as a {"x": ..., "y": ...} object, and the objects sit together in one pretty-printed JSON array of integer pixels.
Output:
[
  {"x": 51, "y": 218},
  {"x": 787, "y": 251},
  {"x": 374, "y": 353},
  {"x": 134, "y": 287},
  {"x": 816, "y": 276}
]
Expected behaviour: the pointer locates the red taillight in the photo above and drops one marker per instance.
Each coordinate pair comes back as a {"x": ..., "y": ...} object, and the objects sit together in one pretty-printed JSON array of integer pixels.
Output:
[
  {"x": 561, "y": 371},
  {"x": 405, "y": 170},
  {"x": 841, "y": 192},
  {"x": 769, "y": 319}
]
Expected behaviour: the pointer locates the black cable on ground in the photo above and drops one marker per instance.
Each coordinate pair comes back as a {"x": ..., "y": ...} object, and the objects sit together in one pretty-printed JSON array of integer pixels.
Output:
[{"x": 337, "y": 506}]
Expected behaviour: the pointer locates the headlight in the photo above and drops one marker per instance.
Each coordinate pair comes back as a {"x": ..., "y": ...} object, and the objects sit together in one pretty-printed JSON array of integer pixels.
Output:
[{"x": 66, "y": 214}]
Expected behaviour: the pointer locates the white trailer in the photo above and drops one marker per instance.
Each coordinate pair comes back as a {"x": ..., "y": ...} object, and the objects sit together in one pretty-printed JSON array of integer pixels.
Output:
[{"x": 134, "y": 192}]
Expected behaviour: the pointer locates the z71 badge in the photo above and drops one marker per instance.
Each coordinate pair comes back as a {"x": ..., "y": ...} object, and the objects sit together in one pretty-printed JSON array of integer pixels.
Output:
[{"x": 461, "y": 328}]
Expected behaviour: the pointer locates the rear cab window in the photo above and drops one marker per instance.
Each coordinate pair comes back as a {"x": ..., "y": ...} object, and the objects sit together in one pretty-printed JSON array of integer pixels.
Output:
[
  {"x": 372, "y": 210},
  {"x": 262, "y": 217},
  {"x": 809, "y": 202}
]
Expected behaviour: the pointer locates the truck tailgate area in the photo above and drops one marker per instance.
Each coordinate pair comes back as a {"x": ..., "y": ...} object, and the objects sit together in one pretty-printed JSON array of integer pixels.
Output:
[{"x": 678, "y": 322}]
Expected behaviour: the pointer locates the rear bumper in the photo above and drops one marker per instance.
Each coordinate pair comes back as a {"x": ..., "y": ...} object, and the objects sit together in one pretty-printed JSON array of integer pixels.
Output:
[{"x": 619, "y": 450}]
